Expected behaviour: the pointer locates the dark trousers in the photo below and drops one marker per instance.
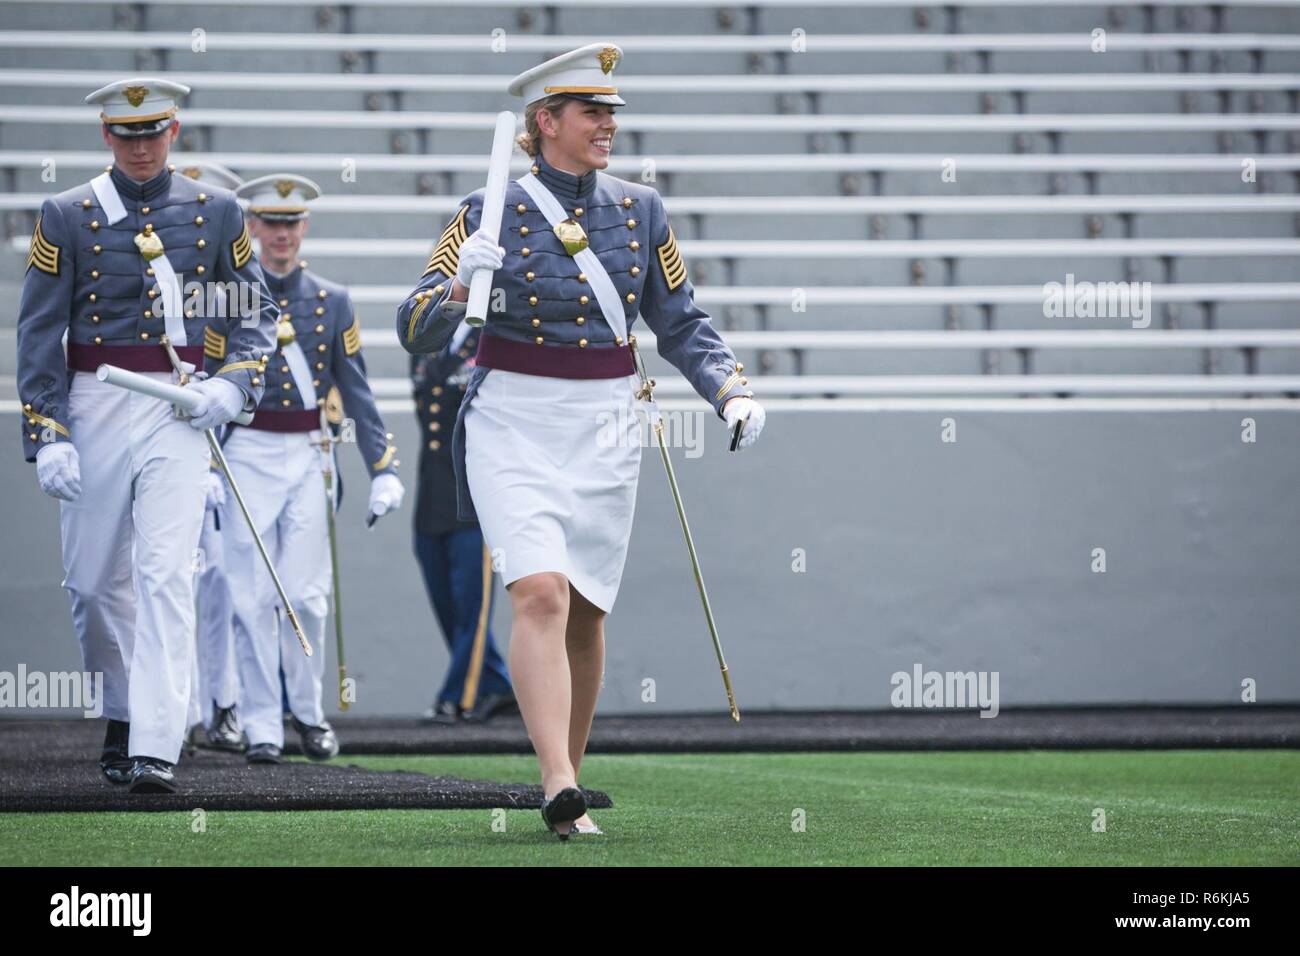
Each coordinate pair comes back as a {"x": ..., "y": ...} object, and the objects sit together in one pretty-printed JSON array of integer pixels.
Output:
[{"x": 458, "y": 576}]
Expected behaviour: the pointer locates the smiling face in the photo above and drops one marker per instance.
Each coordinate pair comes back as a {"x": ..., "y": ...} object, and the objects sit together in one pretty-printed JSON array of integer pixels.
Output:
[
  {"x": 142, "y": 157},
  {"x": 280, "y": 241},
  {"x": 579, "y": 137}
]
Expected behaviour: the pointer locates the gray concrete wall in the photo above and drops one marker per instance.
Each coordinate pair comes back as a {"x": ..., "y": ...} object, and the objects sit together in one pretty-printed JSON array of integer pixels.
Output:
[{"x": 974, "y": 555}]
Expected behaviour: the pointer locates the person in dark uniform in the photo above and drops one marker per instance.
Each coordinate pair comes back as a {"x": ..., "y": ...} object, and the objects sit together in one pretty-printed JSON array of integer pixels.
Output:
[{"x": 455, "y": 562}]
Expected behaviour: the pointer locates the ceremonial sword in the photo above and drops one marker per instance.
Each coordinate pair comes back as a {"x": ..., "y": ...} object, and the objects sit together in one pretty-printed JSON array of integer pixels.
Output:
[{"x": 646, "y": 393}]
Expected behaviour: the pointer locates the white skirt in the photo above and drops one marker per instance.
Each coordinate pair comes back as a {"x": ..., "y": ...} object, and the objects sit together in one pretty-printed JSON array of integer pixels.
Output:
[{"x": 552, "y": 466}]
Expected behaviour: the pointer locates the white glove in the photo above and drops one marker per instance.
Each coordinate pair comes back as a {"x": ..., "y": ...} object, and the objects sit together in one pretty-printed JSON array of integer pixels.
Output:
[
  {"x": 739, "y": 409},
  {"x": 479, "y": 251},
  {"x": 221, "y": 401},
  {"x": 216, "y": 491},
  {"x": 58, "y": 469},
  {"x": 386, "y": 493}
]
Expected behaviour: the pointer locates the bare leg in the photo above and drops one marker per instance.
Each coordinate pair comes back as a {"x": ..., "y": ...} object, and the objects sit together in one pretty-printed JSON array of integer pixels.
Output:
[
  {"x": 540, "y": 671},
  {"x": 585, "y": 640}
]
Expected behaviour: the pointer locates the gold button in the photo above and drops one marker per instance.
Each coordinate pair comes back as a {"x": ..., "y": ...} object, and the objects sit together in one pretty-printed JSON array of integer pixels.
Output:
[
  {"x": 200, "y": 269},
  {"x": 148, "y": 313},
  {"x": 98, "y": 249},
  {"x": 94, "y": 225},
  {"x": 203, "y": 197},
  {"x": 149, "y": 271},
  {"x": 198, "y": 220},
  {"x": 434, "y": 407},
  {"x": 521, "y": 209},
  {"x": 530, "y": 276},
  {"x": 98, "y": 340},
  {"x": 740, "y": 366},
  {"x": 144, "y": 335},
  {"x": 435, "y": 445},
  {"x": 523, "y": 230},
  {"x": 582, "y": 343},
  {"x": 189, "y": 313},
  {"x": 321, "y": 347},
  {"x": 634, "y": 245},
  {"x": 287, "y": 385},
  {"x": 437, "y": 290},
  {"x": 316, "y": 382},
  {"x": 32, "y": 435},
  {"x": 85, "y": 204},
  {"x": 580, "y": 319},
  {"x": 256, "y": 380},
  {"x": 631, "y": 223},
  {"x": 320, "y": 365},
  {"x": 437, "y": 389},
  {"x": 539, "y": 340},
  {"x": 94, "y": 273},
  {"x": 435, "y": 426},
  {"x": 583, "y": 300},
  {"x": 536, "y": 322},
  {"x": 148, "y": 227},
  {"x": 582, "y": 277},
  {"x": 320, "y": 294},
  {"x": 532, "y": 300},
  {"x": 201, "y": 243},
  {"x": 577, "y": 211},
  {"x": 631, "y": 297},
  {"x": 153, "y": 293},
  {"x": 524, "y": 251},
  {"x": 319, "y": 329},
  {"x": 535, "y": 169},
  {"x": 94, "y": 318},
  {"x": 284, "y": 368},
  {"x": 283, "y": 303},
  {"x": 93, "y": 297},
  {"x": 636, "y": 270},
  {"x": 320, "y": 310},
  {"x": 618, "y": 340},
  {"x": 286, "y": 403},
  {"x": 144, "y": 210},
  {"x": 627, "y": 202}
]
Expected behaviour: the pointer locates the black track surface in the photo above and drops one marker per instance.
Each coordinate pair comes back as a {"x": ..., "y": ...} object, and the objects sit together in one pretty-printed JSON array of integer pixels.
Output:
[
  {"x": 1052, "y": 729},
  {"x": 52, "y": 765}
]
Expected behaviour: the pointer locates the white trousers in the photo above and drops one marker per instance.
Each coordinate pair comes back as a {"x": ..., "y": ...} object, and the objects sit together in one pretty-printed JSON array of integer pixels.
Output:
[
  {"x": 282, "y": 483},
  {"x": 215, "y": 675},
  {"x": 129, "y": 545}
]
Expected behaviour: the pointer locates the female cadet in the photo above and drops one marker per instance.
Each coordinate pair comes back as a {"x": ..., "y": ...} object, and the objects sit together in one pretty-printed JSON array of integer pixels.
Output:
[{"x": 579, "y": 255}]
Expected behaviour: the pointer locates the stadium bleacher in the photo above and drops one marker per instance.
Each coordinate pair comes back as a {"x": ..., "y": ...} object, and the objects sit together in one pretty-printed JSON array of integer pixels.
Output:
[{"x": 871, "y": 195}]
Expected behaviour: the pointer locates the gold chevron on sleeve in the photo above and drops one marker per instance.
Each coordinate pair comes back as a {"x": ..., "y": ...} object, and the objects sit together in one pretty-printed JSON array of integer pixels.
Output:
[
  {"x": 352, "y": 337},
  {"x": 446, "y": 255},
  {"x": 670, "y": 260},
  {"x": 241, "y": 249},
  {"x": 387, "y": 457},
  {"x": 214, "y": 343},
  {"x": 42, "y": 253}
]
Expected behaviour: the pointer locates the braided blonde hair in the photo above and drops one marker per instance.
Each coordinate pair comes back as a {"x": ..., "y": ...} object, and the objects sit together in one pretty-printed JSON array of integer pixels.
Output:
[{"x": 530, "y": 141}]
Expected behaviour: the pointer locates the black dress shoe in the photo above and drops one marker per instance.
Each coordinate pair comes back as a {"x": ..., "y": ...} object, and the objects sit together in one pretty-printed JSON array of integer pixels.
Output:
[
  {"x": 565, "y": 807},
  {"x": 264, "y": 753},
  {"x": 489, "y": 705},
  {"x": 443, "y": 712},
  {"x": 151, "y": 775},
  {"x": 225, "y": 732},
  {"x": 318, "y": 743},
  {"x": 114, "y": 762}
]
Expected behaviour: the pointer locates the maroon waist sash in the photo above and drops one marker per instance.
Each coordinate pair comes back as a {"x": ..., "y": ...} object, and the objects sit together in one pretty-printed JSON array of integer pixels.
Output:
[
  {"x": 555, "y": 361},
  {"x": 133, "y": 358},
  {"x": 295, "y": 420}
]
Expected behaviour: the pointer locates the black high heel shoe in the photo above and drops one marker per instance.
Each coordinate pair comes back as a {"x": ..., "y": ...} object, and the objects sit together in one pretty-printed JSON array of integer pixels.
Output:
[{"x": 565, "y": 807}]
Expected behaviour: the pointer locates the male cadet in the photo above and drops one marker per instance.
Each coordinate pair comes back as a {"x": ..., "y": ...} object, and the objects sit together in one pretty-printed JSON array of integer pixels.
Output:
[
  {"x": 107, "y": 266},
  {"x": 214, "y": 691},
  {"x": 277, "y": 462},
  {"x": 456, "y": 565}
]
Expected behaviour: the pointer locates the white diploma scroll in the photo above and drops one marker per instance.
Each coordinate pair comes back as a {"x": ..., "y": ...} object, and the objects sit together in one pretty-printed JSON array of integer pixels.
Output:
[
  {"x": 166, "y": 391},
  {"x": 494, "y": 201}
]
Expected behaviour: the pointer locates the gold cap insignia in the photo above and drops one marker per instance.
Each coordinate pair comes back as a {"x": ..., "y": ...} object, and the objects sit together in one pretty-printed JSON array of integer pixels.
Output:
[
  {"x": 284, "y": 187},
  {"x": 135, "y": 94},
  {"x": 608, "y": 57}
]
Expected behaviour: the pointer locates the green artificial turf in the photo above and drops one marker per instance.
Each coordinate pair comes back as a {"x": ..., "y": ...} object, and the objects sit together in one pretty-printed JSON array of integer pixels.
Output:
[{"x": 1023, "y": 808}]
